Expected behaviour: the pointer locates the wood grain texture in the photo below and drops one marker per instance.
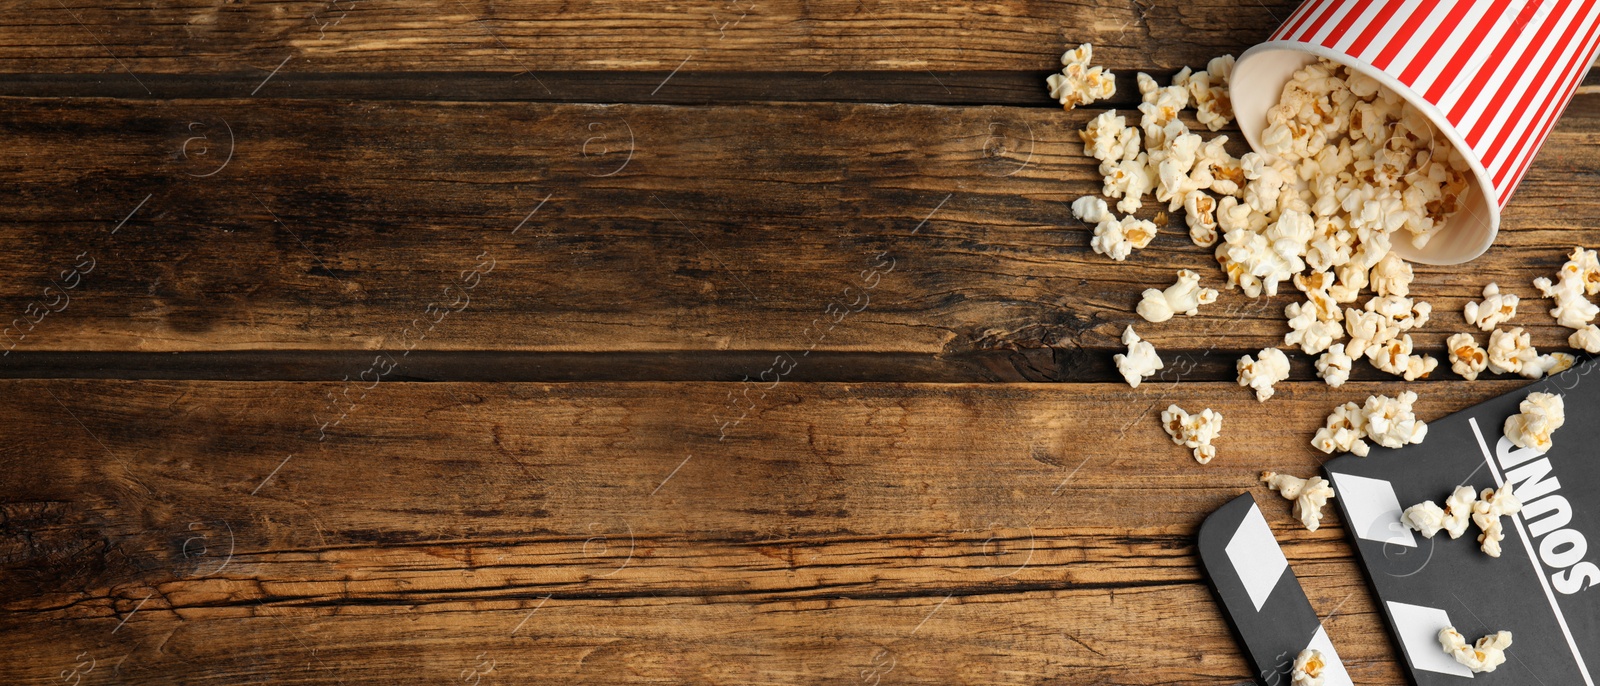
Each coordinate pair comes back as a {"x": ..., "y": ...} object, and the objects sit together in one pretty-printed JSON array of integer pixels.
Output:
[
  {"x": 972, "y": 533},
  {"x": 634, "y": 87},
  {"x": 712, "y": 35},
  {"x": 256, "y": 194},
  {"x": 956, "y": 88},
  {"x": 334, "y": 226}
]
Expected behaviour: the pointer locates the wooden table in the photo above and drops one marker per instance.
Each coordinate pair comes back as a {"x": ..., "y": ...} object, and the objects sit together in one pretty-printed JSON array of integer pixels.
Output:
[{"x": 740, "y": 341}]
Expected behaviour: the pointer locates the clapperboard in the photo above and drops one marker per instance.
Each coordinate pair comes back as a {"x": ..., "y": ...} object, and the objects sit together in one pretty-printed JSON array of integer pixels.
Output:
[
  {"x": 1261, "y": 596},
  {"x": 1545, "y": 586}
]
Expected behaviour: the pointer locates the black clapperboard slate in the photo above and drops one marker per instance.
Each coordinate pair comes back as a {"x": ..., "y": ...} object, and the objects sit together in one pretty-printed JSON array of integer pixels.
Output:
[
  {"x": 1542, "y": 588},
  {"x": 1260, "y": 594}
]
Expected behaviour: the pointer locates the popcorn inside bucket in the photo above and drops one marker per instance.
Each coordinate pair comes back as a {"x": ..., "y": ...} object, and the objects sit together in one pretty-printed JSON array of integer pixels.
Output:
[{"x": 1374, "y": 150}]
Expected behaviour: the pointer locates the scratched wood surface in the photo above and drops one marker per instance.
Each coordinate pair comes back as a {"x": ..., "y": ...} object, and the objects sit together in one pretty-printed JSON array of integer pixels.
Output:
[
  {"x": 944, "y": 233},
  {"x": 594, "y": 35},
  {"x": 299, "y": 279},
  {"x": 603, "y": 533}
]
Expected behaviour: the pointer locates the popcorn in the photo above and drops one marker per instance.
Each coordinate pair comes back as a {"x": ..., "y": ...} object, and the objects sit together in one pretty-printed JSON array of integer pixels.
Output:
[
  {"x": 1395, "y": 358},
  {"x": 1291, "y": 234},
  {"x": 1114, "y": 238},
  {"x": 1091, "y": 209},
  {"x": 1572, "y": 310},
  {"x": 1425, "y": 517},
  {"x": 1392, "y": 276},
  {"x": 1586, "y": 339},
  {"x": 1343, "y": 163},
  {"x": 1555, "y": 363},
  {"x": 1585, "y": 267},
  {"x": 1309, "y": 495},
  {"x": 1495, "y": 309},
  {"x": 1307, "y": 330},
  {"x": 1579, "y": 276},
  {"x": 1513, "y": 352},
  {"x": 1108, "y": 138},
  {"x": 1209, "y": 90},
  {"x": 1466, "y": 357},
  {"x": 1195, "y": 431},
  {"x": 1173, "y": 163},
  {"x": 1159, "y": 108},
  {"x": 1221, "y": 69},
  {"x": 1428, "y": 519},
  {"x": 1343, "y": 431},
  {"x": 1307, "y": 670},
  {"x": 1401, "y": 311},
  {"x": 1217, "y": 169},
  {"x": 1539, "y": 415},
  {"x": 1486, "y": 513},
  {"x": 1330, "y": 247},
  {"x": 1315, "y": 287},
  {"x": 1261, "y": 374},
  {"x": 1583, "y": 270},
  {"x": 1266, "y": 181},
  {"x": 1360, "y": 162},
  {"x": 1184, "y": 296},
  {"x": 1352, "y": 277},
  {"x": 1485, "y": 656},
  {"x": 1390, "y": 421},
  {"x": 1458, "y": 510},
  {"x": 1078, "y": 83},
  {"x": 1369, "y": 331},
  {"x": 1231, "y": 215},
  {"x": 1493, "y": 534},
  {"x": 1118, "y": 239},
  {"x": 1129, "y": 179},
  {"x": 1141, "y": 360},
  {"x": 1227, "y": 175},
  {"x": 1334, "y": 365},
  {"x": 1254, "y": 263},
  {"x": 1236, "y": 256},
  {"x": 1199, "y": 211}
]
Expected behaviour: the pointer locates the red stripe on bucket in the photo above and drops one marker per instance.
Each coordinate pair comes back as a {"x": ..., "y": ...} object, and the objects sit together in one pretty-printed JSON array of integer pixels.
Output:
[
  {"x": 1541, "y": 76},
  {"x": 1496, "y": 56},
  {"x": 1431, "y": 46},
  {"x": 1517, "y": 70},
  {"x": 1295, "y": 20},
  {"x": 1345, "y": 23},
  {"x": 1371, "y": 31},
  {"x": 1528, "y": 147},
  {"x": 1321, "y": 20},
  {"x": 1452, "y": 69},
  {"x": 1403, "y": 36}
]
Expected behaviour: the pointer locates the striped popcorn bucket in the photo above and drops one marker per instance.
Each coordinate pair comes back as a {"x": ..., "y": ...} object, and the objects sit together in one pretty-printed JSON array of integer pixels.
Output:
[{"x": 1493, "y": 75}]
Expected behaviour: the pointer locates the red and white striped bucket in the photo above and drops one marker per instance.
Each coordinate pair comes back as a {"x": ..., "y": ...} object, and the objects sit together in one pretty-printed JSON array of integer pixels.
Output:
[{"x": 1493, "y": 75}]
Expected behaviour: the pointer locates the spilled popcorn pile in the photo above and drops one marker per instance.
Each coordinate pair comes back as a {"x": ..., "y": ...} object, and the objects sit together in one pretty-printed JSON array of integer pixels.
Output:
[{"x": 1345, "y": 168}]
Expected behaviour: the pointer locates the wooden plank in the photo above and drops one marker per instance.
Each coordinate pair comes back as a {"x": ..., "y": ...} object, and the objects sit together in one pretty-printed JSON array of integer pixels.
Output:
[
  {"x": 128, "y": 39},
  {"x": 624, "y": 532},
  {"x": 1033, "y": 364},
  {"x": 983, "y": 87},
  {"x": 333, "y": 226},
  {"x": 639, "y": 87},
  {"x": 500, "y": 366}
]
